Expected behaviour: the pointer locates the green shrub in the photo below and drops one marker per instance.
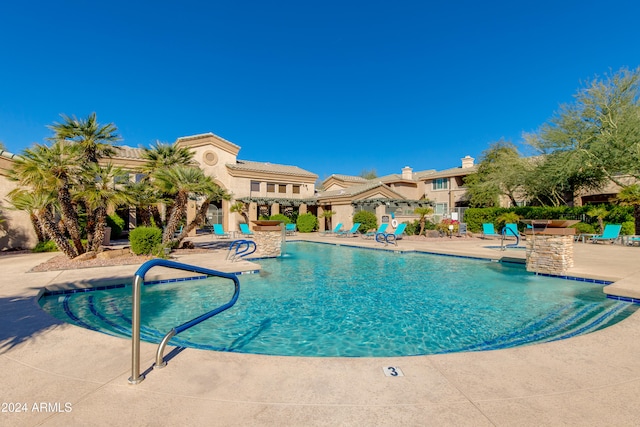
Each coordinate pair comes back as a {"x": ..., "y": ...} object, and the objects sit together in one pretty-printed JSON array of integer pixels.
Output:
[
  {"x": 628, "y": 228},
  {"x": 584, "y": 228},
  {"x": 307, "y": 223},
  {"x": 145, "y": 240},
  {"x": 367, "y": 220},
  {"x": 413, "y": 228},
  {"x": 117, "y": 225},
  {"x": 280, "y": 217},
  {"x": 46, "y": 246}
]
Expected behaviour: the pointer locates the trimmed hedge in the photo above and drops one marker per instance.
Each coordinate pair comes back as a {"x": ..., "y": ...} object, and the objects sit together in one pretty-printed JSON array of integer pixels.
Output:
[
  {"x": 367, "y": 220},
  {"x": 475, "y": 217},
  {"x": 117, "y": 225},
  {"x": 145, "y": 240},
  {"x": 307, "y": 223}
]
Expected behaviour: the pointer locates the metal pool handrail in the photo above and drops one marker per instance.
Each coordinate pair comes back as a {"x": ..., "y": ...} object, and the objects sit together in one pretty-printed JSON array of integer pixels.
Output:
[
  {"x": 505, "y": 231},
  {"x": 138, "y": 281},
  {"x": 242, "y": 247}
]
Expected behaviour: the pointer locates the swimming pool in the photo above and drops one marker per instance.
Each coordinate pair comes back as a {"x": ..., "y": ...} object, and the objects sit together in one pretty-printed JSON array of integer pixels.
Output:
[{"x": 325, "y": 300}]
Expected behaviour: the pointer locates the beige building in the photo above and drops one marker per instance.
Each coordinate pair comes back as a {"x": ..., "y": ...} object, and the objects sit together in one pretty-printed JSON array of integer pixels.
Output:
[{"x": 269, "y": 188}]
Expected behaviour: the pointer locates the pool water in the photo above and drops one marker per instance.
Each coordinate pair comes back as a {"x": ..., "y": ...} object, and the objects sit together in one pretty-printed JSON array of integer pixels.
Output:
[{"x": 325, "y": 300}]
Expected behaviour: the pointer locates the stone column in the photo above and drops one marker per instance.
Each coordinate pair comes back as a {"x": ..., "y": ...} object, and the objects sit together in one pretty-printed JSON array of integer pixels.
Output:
[
  {"x": 549, "y": 254},
  {"x": 268, "y": 243}
]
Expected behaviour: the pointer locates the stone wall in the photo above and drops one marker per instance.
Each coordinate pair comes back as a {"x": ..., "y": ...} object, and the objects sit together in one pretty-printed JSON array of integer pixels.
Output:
[
  {"x": 549, "y": 254},
  {"x": 268, "y": 243}
]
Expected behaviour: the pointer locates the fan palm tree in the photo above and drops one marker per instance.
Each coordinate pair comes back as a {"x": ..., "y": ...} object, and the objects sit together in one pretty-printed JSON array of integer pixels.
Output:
[
  {"x": 99, "y": 196},
  {"x": 180, "y": 181},
  {"x": 30, "y": 202},
  {"x": 599, "y": 212},
  {"x": 144, "y": 196},
  {"x": 41, "y": 206},
  {"x": 46, "y": 168},
  {"x": 163, "y": 155},
  {"x": 96, "y": 140},
  {"x": 423, "y": 212}
]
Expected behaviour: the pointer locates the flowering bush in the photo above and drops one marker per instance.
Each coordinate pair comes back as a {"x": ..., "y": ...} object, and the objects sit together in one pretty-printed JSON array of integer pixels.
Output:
[{"x": 443, "y": 226}]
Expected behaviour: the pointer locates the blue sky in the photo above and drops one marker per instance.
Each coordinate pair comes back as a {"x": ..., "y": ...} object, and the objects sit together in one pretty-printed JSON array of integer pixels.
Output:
[{"x": 331, "y": 86}]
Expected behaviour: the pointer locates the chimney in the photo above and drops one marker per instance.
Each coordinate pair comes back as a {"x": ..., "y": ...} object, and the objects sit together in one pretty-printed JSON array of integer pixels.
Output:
[
  {"x": 407, "y": 173},
  {"x": 467, "y": 161}
]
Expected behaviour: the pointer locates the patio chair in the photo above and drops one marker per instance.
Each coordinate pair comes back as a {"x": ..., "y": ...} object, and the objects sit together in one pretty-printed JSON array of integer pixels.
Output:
[
  {"x": 245, "y": 230},
  {"x": 489, "y": 231},
  {"x": 610, "y": 234},
  {"x": 290, "y": 229},
  {"x": 372, "y": 234},
  {"x": 351, "y": 232},
  {"x": 337, "y": 229},
  {"x": 392, "y": 237},
  {"x": 219, "y": 232},
  {"x": 632, "y": 240}
]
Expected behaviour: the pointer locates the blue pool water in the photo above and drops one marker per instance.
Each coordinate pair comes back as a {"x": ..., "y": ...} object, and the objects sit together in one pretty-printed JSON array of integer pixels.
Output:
[{"x": 323, "y": 300}]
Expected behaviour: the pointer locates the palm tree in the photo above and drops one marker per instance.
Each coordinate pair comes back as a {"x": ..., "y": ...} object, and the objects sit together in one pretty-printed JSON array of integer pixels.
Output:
[
  {"x": 163, "y": 155},
  {"x": 630, "y": 196},
  {"x": 180, "y": 181},
  {"x": 240, "y": 208},
  {"x": 55, "y": 168},
  {"x": 99, "y": 196},
  {"x": 96, "y": 140},
  {"x": 327, "y": 215},
  {"x": 30, "y": 202},
  {"x": 144, "y": 196},
  {"x": 423, "y": 212},
  {"x": 41, "y": 207},
  {"x": 599, "y": 212}
]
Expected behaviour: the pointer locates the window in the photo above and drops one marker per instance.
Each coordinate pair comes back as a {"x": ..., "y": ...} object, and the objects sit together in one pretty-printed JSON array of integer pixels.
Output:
[
  {"x": 440, "y": 183},
  {"x": 271, "y": 187},
  {"x": 295, "y": 189},
  {"x": 282, "y": 188},
  {"x": 255, "y": 186},
  {"x": 441, "y": 209}
]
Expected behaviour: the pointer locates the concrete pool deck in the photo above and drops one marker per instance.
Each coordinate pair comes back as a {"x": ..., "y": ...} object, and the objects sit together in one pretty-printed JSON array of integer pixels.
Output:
[{"x": 58, "y": 374}]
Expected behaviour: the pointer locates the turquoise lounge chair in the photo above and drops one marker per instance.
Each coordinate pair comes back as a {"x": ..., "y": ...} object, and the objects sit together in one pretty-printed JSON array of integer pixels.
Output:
[
  {"x": 219, "y": 232},
  {"x": 489, "y": 231},
  {"x": 610, "y": 234},
  {"x": 245, "y": 230},
  {"x": 351, "y": 232},
  {"x": 290, "y": 229},
  {"x": 336, "y": 230},
  {"x": 372, "y": 234},
  {"x": 392, "y": 237}
]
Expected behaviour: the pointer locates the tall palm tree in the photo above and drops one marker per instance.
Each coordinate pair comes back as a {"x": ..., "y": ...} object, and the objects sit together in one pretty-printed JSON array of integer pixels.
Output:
[
  {"x": 53, "y": 168},
  {"x": 96, "y": 140},
  {"x": 180, "y": 181},
  {"x": 163, "y": 155},
  {"x": 99, "y": 196}
]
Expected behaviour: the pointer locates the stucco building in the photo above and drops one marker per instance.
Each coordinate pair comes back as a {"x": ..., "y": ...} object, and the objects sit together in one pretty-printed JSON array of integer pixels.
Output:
[{"x": 270, "y": 188}]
